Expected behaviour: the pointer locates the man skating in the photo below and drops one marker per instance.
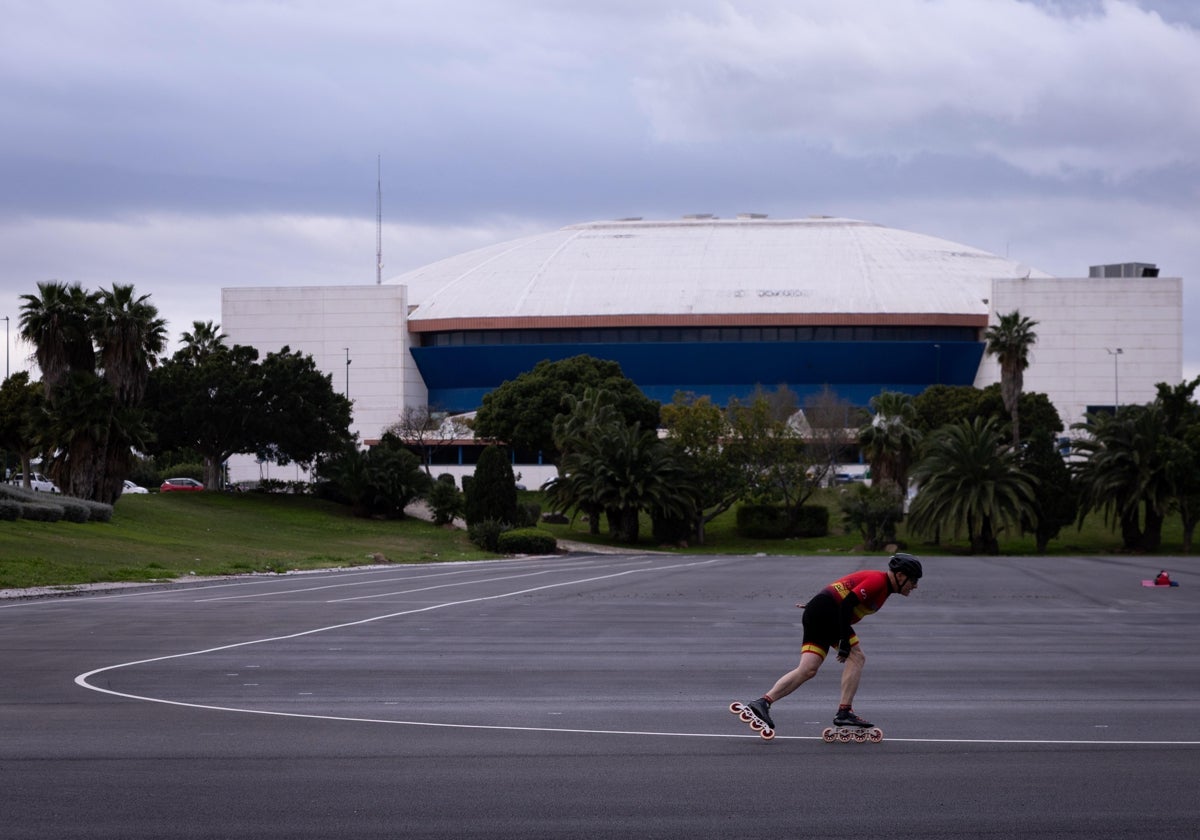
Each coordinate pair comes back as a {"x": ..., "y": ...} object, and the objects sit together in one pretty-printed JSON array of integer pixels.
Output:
[{"x": 827, "y": 621}]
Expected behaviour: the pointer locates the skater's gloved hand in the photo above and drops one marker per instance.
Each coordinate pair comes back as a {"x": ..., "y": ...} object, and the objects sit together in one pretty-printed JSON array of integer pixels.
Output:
[{"x": 843, "y": 650}]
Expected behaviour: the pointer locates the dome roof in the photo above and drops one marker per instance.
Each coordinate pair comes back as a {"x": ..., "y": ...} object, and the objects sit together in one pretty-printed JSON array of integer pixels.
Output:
[{"x": 748, "y": 266}]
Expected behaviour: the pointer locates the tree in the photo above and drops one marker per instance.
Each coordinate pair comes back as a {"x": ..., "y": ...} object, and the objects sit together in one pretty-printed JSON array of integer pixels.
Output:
[
  {"x": 492, "y": 493},
  {"x": 1056, "y": 501},
  {"x": 425, "y": 429},
  {"x": 226, "y": 401},
  {"x": 95, "y": 351},
  {"x": 970, "y": 481},
  {"x": 619, "y": 469},
  {"x": 698, "y": 432},
  {"x": 521, "y": 412},
  {"x": 1009, "y": 341},
  {"x": 381, "y": 481},
  {"x": 21, "y": 414},
  {"x": 1124, "y": 474},
  {"x": 891, "y": 440},
  {"x": 770, "y": 452},
  {"x": 204, "y": 338},
  {"x": 941, "y": 405},
  {"x": 303, "y": 414}
]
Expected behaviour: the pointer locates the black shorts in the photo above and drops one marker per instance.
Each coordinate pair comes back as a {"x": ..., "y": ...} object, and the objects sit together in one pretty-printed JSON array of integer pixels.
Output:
[{"x": 822, "y": 625}]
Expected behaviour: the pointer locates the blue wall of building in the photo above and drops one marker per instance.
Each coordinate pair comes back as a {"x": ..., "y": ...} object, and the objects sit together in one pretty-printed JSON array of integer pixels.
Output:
[{"x": 458, "y": 377}]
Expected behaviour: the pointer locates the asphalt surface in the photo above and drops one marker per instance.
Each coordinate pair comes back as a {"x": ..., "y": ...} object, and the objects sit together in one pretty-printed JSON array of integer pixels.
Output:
[{"x": 587, "y": 696}]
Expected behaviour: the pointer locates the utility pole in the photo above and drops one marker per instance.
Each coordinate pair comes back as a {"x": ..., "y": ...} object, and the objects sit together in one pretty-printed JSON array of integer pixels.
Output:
[{"x": 347, "y": 373}]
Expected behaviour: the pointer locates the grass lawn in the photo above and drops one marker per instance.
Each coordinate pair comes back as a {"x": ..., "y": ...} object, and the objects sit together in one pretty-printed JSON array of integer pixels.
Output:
[{"x": 166, "y": 536}]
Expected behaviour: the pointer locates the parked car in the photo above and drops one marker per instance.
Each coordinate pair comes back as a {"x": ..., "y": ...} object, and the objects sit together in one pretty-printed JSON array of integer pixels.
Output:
[
  {"x": 130, "y": 487},
  {"x": 37, "y": 482},
  {"x": 180, "y": 484}
]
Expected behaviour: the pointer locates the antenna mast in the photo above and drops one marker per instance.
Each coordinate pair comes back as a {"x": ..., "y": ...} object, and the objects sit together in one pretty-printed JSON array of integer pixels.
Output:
[{"x": 378, "y": 220}]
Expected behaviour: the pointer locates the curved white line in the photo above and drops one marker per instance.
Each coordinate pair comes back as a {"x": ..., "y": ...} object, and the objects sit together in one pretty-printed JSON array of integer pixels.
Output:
[{"x": 83, "y": 681}]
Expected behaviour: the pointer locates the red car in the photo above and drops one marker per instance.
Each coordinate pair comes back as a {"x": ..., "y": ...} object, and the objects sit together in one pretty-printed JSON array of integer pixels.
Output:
[{"x": 180, "y": 484}]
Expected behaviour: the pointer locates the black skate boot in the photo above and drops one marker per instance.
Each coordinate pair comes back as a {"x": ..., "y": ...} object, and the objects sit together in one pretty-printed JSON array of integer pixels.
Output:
[
  {"x": 758, "y": 708},
  {"x": 846, "y": 717}
]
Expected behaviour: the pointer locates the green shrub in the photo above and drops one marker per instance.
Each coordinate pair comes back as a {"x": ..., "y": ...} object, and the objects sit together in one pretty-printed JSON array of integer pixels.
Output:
[
  {"x": 526, "y": 541},
  {"x": 770, "y": 522},
  {"x": 528, "y": 514},
  {"x": 445, "y": 500},
  {"x": 41, "y": 511},
  {"x": 74, "y": 510},
  {"x": 762, "y": 522},
  {"x": 486, "y": 534},
  {"x": 9, "y": 510},
  {"x": 813, "y": 521}
]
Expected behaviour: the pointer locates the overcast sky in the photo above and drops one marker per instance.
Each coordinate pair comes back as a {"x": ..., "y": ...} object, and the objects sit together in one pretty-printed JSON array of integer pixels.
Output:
[{"x": 188, "y": 145}]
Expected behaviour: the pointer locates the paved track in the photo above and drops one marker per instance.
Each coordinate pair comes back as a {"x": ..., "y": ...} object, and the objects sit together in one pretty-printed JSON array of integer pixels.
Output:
[{"x": 587, "y": 696}]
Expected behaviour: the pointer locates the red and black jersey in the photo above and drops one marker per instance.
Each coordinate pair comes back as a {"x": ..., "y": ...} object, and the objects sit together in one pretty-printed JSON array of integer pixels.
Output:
[{"x": 870, "y": 589}]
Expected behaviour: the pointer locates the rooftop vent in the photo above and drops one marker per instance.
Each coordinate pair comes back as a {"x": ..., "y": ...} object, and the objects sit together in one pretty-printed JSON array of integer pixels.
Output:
[
  {"x": 752, "y": 215},
  {"x": 698, "y": 217},
  {"x": 1132, "y": 269}
]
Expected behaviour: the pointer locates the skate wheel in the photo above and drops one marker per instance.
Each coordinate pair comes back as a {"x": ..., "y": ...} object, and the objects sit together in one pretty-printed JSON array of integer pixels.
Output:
[
  {"x": 860, "y": 737},
  {"x": 735, "y": 707},
  {"x": 828, "y": 736},
  {"x": 746, "y": 716},
  {"x": 757, "y": 725},
  {"x": 844, "y": 736},
  {"x": 767, "y": 734},
  {"x": 876, "y": 735}
]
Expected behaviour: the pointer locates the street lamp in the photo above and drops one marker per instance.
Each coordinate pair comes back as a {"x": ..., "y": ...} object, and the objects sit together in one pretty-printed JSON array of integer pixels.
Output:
[
  {"x": 6, "y": 347},
  {"x": 347, "y": 373},
  {"x": 1116, "y": 382}
]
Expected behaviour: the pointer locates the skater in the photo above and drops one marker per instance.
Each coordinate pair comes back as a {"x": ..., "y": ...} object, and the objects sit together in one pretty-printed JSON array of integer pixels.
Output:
[{"x": 827, "y": 622}]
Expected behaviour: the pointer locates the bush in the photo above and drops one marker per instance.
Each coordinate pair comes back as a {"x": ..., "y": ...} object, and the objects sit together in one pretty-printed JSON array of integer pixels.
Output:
[
  {"x": 770, "y": 522},
  {"x": 762, "y": 522},
  {"x": 74, "y": 511},
  {"x": 192, "y": 470},
  {"x": 41, "y": 512},
  {"x": 10, "y": 511},
  {"x": 812, "y": 522},
  {"x": 528, "y": 514},
  {"x": 526, "y": 541},
  {"x": 445, "y": 500},
  {"x": 874, "y": 512},
  {"x": 486, "y": 534}
]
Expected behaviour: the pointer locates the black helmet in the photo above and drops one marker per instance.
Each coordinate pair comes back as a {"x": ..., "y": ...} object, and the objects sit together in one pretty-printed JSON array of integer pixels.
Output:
[{"x": 906, "y": 564}]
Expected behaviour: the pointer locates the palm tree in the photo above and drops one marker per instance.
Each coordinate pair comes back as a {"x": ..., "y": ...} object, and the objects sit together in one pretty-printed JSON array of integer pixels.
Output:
[
  {"x": 1126, "y": 472},
  {"x": 1009, "y": 341},
  {"x": 892, "y": 439},
  {"x": 971, "y": 481},
  {"x": 205, "y": 338},
  {"x": 57, "y": 322},
  {"x": 130, "y": 335},
  {"x": 94, "y": 350}
]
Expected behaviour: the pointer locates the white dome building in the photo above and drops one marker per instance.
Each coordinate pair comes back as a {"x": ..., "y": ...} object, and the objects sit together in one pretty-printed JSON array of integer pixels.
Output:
[{"x": 718, "y": 306}]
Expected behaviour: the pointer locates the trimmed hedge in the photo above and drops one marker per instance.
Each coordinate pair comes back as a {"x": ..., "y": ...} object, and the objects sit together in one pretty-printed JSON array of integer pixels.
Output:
[
  {"x": 770, "y": 522},
  {"x": 526, "y": 541}
]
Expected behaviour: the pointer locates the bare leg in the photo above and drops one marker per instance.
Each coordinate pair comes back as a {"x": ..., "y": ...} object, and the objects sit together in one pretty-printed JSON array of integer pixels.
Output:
[
  {"x": 789, "y": 682},
  {"x": 852, "y": 674}
]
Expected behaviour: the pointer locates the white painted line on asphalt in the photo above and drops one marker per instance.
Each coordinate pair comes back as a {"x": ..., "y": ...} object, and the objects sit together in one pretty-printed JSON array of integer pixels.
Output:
[{"x": 83, "y": 680}]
